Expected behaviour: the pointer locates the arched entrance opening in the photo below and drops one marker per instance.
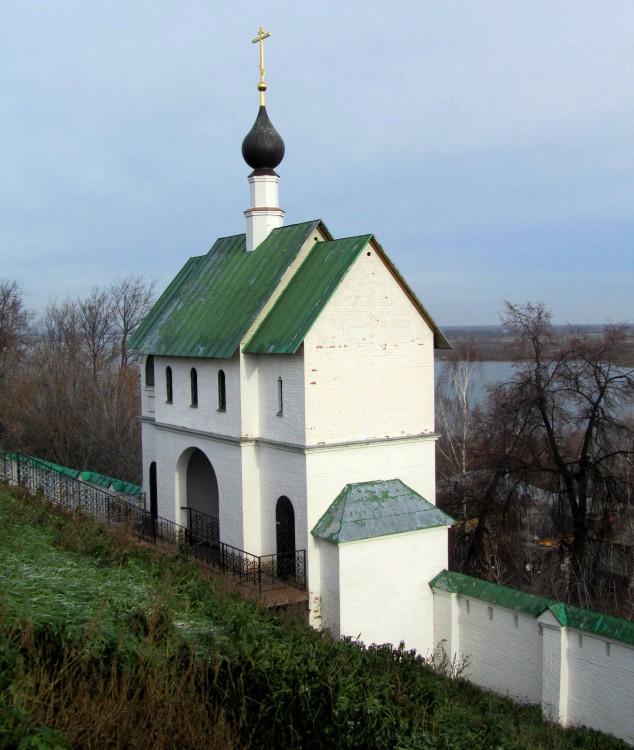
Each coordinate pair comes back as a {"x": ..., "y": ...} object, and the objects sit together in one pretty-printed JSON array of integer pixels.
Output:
[
  {"x": 285, "y": 537},
  {"x": 153, "y": 491},
  {"x": 202, "y": 503}
]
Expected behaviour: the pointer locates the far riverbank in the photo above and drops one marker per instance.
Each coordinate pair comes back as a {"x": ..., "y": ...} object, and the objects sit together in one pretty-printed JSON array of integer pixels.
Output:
[{"x": 496, "y": 343}]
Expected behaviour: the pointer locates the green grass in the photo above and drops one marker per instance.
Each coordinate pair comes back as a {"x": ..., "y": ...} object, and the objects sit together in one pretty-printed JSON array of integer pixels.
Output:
[{"x": 105, "y": 644}]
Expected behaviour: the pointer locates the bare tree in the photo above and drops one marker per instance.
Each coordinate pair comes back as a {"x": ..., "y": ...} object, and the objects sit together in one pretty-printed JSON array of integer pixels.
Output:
[
  {"x": 97, "y": 329},
  {"x": 75, "y": 405},
  {"x": 14, "y": 325},
  {"x": 14, "y": 334},
  {"x": 131, "y": 299},
  {"x": 454, "y": 410},
  {"x": 563, "y": 423}
]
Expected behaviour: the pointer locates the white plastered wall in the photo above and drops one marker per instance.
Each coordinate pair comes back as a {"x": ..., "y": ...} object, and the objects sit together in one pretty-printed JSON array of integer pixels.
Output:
[
  {"x": 382, "y": 594},
  {"x": 369, "y": 361},
  {"x": 503, "y": 648},
  {"x": 329, "y": 469},
  {"x": 281, "y": 472},
  {"x": 286, "y": 426},
  {"x": 601, "y": 684},
  {"x": 206, "y": 417}
]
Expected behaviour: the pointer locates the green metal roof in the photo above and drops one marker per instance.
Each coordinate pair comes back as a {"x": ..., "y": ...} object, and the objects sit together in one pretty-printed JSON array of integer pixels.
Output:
[
  {"x": 94, "y": 478},
  {"x": 127, "y": 488},
  {"x": 300, "y": 304},
  {"x": 118, "y": 485},
  {"x": 594, "y": 622},
  {"x": 209, "y": 306},
  {"x": 520, "y": 601},
  {"x": 370, "y": 509}
]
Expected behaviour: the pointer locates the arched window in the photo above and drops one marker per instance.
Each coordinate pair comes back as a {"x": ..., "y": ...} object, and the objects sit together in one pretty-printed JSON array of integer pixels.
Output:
[
  {"x": 193, "y": 384},
  {"x": 149, "y": 371},
  {"x": 168, "y": 384},
  {"x": 222, "y": 392}
]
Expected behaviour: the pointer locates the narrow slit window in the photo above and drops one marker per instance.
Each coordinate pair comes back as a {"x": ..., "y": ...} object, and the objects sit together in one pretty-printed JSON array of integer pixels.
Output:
[
  {"x": 193, "y": 383},
  {"x": 168, "y": 385},
  {"x": 222, "y": 391},
  {"x": 490, "y": 613},
  {"x": 280, "y": 397}
]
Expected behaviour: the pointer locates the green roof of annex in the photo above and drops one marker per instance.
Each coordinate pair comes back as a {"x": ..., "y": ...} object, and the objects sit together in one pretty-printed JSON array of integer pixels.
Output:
[
  {"x": 214, "y": 300},
  {"x": 365, "y": 510}
]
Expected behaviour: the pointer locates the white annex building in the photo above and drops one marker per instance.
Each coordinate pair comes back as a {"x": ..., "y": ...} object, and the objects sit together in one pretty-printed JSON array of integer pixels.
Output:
[{"x": 288, "y": 406}]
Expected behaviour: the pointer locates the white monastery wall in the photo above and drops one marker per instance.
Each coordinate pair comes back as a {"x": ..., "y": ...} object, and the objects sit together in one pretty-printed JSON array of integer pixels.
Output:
[
  {"x": 384, "y": 587},
  {"x": 369, "y": 361},
  {"x": 579, "y": 678},
  {"x": 600, "y": 684},
  {"x": 504, "y": 647}
]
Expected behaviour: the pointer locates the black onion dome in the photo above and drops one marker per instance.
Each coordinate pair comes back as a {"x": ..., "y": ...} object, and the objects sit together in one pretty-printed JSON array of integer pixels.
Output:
[{"x": 263, "y": 148}]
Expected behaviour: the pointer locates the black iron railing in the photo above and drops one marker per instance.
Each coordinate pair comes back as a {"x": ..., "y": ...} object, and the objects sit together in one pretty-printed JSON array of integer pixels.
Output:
[
  {"x": 202, "y": 527},
  {"x": 200, "y": 541}
]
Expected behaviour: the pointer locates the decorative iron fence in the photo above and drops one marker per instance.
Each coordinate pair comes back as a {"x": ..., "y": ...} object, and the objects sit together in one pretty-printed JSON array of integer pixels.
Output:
[
  {"x": 202, "y": 527},
  {"x": 200, "y": 541}
]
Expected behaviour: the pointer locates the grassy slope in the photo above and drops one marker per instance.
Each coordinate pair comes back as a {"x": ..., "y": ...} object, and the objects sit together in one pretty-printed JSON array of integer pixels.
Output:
[{"x": 113, "y": 645}]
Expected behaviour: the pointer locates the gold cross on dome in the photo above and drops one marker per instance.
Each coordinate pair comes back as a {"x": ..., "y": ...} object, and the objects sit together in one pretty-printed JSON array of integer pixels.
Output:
[{"x": 262, "y": 35}]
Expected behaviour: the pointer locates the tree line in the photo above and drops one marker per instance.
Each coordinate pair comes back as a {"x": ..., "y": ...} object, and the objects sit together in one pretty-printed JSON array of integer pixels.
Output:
[
  {"x": 69, "y": 385},
  {"x": 540, "y": 475}
]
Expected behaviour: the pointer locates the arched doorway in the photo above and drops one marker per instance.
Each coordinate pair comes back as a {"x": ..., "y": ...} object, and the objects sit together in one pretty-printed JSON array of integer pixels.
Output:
[
  {"x": 202, "y": 498},
  {"x": 153, "y": 491},
  {"x": 285, "y": 537}
]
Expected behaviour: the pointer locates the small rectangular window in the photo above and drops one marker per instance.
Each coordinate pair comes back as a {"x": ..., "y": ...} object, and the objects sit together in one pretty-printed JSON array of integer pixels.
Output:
[
  {"x": 280, "y": 397},
  {"x": 468, "y": 606},
  {"x": 607, "y": 649},
  {"x": 580, "y": 641},
  {"x": 490, "y": 613},
  {"x": 516, "y": 621},
  {"x": 541, "y": 630}
]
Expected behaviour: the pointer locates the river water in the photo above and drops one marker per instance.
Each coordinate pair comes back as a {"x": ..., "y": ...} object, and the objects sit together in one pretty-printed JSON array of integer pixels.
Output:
[{"x": 488, "y": 374}]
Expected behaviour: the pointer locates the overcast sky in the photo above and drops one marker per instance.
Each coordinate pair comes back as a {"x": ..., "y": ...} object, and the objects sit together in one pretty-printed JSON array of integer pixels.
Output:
[{"x": 488, "y": 144}]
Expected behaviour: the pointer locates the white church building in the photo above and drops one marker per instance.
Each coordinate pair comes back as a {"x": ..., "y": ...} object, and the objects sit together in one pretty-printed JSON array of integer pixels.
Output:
[
  {"x": 289, "y": 394},
  {"x": 288, "y": 401}
]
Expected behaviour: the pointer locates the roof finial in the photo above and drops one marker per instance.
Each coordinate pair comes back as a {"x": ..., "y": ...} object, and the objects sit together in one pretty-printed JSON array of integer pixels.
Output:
[{"x": 262, "y": 35}]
